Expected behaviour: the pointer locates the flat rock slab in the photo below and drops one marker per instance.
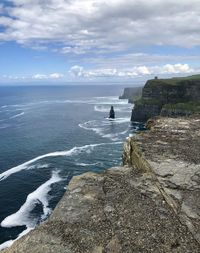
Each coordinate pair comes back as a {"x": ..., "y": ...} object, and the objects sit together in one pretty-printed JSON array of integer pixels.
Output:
[
  {"x": 171, "y": 151},
  {"x": 118, "y": 211}
]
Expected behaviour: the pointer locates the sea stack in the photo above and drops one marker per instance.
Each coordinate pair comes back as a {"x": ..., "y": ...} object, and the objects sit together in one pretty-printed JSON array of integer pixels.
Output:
[{"x": 112, "y": 113}]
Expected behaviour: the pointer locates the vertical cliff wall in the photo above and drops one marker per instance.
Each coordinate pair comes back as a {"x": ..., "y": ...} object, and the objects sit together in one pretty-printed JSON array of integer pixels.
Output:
[
  {"x": 131, "y": 93},
  {"x": 168, "y": 97}
]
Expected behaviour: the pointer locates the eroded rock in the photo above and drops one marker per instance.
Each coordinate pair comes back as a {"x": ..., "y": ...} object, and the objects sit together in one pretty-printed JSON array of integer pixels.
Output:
[{"x": 170, "y": 151}]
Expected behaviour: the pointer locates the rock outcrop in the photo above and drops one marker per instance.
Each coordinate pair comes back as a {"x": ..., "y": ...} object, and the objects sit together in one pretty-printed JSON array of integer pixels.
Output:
[
  {"x": 168, "y": 97},
  {"x": 170, "y": 152},
  {"x": 131, "y": 93},
  {"x": 151, "y": 204}
]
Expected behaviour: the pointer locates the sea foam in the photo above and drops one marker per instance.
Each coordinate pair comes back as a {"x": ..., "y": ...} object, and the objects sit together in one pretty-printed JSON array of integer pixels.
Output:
[
  {"x": 39, "y": 196},
  {"x": 73, "y": 151}
]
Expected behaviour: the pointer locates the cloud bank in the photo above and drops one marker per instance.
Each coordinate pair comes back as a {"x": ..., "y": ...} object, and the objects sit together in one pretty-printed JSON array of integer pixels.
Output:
[
  {"x": 79, "y": 71},
  {"x": 107, "y": 38},
  {"x": 97, "y": 26}
]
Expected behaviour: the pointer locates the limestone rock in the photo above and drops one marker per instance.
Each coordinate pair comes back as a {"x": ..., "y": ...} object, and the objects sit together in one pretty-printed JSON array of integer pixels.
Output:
[
  {"x": 173, "y": 97},
  {"x": 170, "y": 152}
]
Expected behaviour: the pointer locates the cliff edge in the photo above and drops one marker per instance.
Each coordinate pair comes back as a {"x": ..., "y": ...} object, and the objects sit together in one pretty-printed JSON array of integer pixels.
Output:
[
  {"x": 131, "y": 93},
  {"x": 168, "y": 97},
  {"x": 151, "y": 204}
]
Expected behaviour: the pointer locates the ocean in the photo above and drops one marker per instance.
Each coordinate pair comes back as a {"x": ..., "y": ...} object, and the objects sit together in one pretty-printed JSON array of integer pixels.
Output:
[{"x": 49, "y": 134}]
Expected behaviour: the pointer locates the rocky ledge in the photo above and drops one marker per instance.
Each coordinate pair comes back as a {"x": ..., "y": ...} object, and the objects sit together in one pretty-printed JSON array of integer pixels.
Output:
[
  {"x": 170, "y": 152},
  {"x": 151, "y": 204}
]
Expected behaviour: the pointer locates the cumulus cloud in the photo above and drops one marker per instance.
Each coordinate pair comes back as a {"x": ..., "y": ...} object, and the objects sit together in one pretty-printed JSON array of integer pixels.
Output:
[
  {"x": 50, "y": 76},
  {"x": 79, "y": 71},
  {"x": 82, "y": 26}
]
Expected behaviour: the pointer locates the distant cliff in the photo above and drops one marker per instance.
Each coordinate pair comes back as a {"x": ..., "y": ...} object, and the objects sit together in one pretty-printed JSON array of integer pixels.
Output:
[
  {"x": 131, "y": 93},
  {"x": 168, "y": 97}
]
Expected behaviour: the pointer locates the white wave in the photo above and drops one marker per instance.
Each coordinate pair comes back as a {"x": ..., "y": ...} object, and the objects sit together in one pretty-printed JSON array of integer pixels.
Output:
[
  {"x": 107, "y": 97},
  {"x": 95, "y": 125},
  {"x": 87, "y": 164},
  {"x": 98, "y": 101},
  {"x": 115, "y": 136},
  {"x": 10, "y": 242},
  {"x": 73, "y": 151},
  {"x": 100, "y": 127},
  {"x": 87, "y": 126},
  {"x": 40, "y": 195},
  {"x": 17, "y": 115},
  {"x": 95, "y": 100},
  {"x": 122, "y": 120},
  {"x": 26, "y": 104},
  {"x": 106, "y": 109},
  {"x": 38, "y": 166}
]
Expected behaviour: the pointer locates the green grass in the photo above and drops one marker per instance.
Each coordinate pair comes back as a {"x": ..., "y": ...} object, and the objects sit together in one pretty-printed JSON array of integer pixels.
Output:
[{"x": 176, "y": 81}]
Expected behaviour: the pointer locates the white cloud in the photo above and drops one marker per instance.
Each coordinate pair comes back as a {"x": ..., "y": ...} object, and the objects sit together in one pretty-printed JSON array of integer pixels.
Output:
[
  {"x": 50, "y": 76},
  {"x": 80, "y": 72},
  {"x": 39, "y": 76},
  {"x": 56, "y": 76},
  {"x": 177, "y": 68},
  {"x": 97, "y": 26},
  {"x": 77, "y": 71}
]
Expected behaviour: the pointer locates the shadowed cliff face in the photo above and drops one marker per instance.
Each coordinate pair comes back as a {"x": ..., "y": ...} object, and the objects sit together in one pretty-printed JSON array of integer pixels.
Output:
[{"x": 168, "y": 97}]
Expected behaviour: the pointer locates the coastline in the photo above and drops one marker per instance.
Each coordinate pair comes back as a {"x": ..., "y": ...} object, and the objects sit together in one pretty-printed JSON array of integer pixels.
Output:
[{"x": 125, "y": 209}]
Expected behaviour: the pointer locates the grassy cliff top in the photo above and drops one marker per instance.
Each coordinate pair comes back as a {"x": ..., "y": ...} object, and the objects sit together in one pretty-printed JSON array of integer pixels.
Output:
[{"x": 176, "y": 81}]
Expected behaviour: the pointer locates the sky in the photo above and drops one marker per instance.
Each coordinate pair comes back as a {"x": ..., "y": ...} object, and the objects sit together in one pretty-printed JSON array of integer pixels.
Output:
[{"x": 98, "y": 40}]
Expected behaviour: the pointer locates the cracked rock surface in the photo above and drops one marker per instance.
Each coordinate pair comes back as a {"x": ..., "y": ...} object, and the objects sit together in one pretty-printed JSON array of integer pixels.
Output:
[
  {"x": 171, "y": 150},
  {"x": 118, "y": 211}
]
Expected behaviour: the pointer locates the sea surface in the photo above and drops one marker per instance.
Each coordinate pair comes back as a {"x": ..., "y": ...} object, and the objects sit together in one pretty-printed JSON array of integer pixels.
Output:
[{"x": 47, "y": 135}]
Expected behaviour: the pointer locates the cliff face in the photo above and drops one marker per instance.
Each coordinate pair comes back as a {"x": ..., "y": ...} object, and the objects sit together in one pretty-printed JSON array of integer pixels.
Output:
[
  {"x": 168, "y": 97},
  {"x": 149, "y": 205},
  {"x": 131, "y": 93}
]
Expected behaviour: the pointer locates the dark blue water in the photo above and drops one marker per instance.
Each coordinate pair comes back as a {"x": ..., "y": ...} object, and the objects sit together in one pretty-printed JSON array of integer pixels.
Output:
[{"x": 48, "y": 135}]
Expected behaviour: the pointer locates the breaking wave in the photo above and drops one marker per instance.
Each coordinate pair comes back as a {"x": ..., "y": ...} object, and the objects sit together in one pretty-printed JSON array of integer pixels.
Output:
[
  {"x": 39, "y": 196},
  {"x": 73, "y": 151}
]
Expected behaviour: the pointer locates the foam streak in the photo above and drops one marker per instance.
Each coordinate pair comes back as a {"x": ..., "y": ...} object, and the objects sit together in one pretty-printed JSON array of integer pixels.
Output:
[
  {"x": 73, "y": 151},
  {"x": 40, "y": 195}
]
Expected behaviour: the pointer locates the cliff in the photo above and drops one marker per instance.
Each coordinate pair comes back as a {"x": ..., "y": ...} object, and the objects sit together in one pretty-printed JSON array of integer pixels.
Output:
[
  {"x": 131, "y": 93},
  {"x": 151, "y": 204},
  {"x": 168, "y": 97}
]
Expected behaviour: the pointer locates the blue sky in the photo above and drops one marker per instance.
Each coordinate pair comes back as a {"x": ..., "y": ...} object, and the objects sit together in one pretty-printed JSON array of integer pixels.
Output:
[{"x": 98, "y": 40}]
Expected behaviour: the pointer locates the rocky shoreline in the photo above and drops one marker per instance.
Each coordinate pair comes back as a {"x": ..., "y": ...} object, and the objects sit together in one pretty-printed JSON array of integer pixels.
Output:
[{"x": 151, "y": 204}]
